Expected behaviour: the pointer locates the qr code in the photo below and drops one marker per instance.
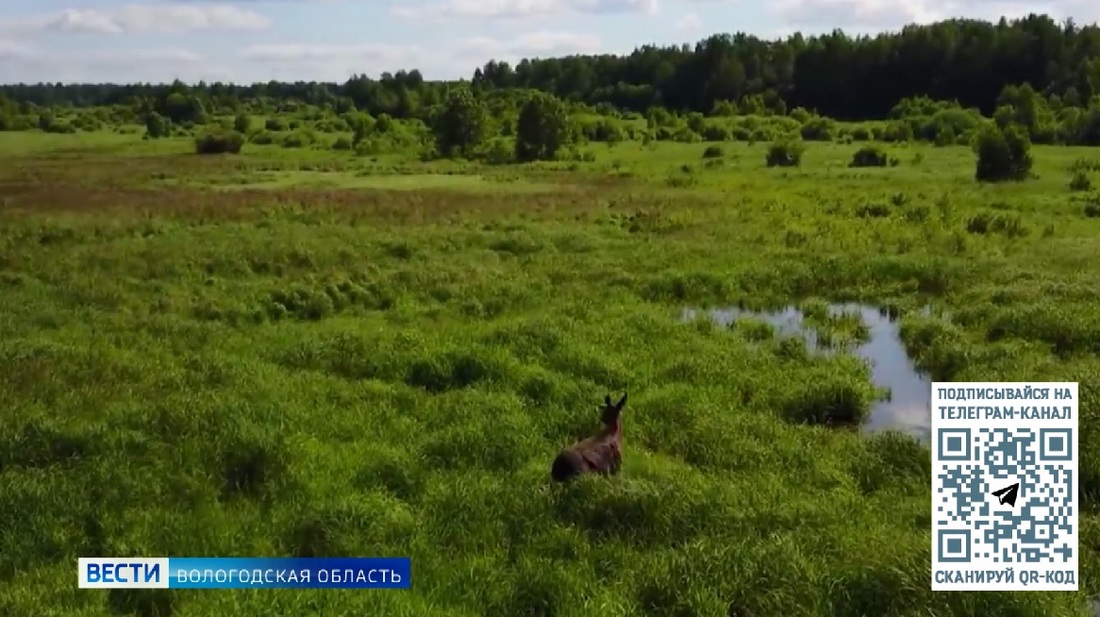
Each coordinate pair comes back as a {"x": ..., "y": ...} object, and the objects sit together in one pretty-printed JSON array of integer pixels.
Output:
[{"x": 976, "y": 463}]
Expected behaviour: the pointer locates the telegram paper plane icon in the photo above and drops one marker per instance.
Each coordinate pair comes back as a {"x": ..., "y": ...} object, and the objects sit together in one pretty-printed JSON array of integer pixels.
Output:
[{"x": 1008, "y": 494}]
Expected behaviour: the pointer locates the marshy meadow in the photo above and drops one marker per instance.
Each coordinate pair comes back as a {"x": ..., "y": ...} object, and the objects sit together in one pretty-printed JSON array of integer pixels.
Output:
[{"x": 290, "y": 324}]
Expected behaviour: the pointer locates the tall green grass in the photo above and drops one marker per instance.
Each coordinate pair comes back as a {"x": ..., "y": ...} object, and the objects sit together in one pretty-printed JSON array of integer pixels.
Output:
[{"x": 391, "y": 373}]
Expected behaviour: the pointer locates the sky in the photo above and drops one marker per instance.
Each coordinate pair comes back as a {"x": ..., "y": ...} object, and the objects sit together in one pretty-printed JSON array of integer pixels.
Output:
[{"x": 244, "y": 41}]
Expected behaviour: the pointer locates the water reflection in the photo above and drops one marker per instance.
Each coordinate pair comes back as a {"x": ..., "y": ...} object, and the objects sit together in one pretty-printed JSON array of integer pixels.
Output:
[{"x": 907, "y": 407}]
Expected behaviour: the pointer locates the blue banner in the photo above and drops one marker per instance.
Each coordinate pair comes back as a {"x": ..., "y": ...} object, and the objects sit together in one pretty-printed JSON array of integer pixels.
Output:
[
  {"x": 244, "y": 573},
  {"x": 288, "y": 573}
]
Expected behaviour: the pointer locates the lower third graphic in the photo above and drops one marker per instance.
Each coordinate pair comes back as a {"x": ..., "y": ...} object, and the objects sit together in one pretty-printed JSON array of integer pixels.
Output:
[{"x": 1004, "y": 486}]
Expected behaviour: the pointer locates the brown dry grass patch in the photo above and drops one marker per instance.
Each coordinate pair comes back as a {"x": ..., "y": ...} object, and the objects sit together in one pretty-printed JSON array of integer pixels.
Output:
[{"x": 97, "y": 184}]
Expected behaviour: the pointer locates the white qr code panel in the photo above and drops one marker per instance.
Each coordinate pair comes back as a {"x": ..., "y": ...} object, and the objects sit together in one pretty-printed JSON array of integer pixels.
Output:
[{"x": 1004, "y": 486}]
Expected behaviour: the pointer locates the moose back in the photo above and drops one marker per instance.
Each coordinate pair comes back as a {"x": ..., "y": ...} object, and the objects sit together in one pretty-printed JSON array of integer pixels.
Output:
[{"x": 601, "y": 453}]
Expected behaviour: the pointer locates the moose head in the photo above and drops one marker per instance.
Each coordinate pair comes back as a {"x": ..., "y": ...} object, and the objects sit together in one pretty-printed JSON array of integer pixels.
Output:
[{"x": 601, "y": 453}]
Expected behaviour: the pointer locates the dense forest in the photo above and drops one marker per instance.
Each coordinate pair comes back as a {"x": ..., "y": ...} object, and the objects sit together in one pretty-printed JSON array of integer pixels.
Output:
[{"x": 836, "y": 75}]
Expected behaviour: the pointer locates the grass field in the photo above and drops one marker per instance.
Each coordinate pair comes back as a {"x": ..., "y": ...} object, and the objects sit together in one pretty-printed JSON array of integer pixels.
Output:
[{"x": 354, "y": 356}]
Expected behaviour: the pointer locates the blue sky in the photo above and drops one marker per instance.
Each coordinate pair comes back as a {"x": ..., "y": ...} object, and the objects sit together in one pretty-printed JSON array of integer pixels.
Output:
[{"x": 258, "y": 40}]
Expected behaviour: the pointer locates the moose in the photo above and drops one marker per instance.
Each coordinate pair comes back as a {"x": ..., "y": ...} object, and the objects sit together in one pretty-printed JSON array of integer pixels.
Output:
[{"x": 601, "y": 453}]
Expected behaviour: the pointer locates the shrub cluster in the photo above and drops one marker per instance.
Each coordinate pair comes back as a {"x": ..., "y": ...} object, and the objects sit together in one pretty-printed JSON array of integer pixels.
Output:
[{"x": 219, "y": 142}]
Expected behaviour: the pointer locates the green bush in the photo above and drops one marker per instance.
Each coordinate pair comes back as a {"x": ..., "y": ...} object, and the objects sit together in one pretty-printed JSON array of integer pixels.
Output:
[
  {"x": 785, "y": 153},
  {"x": 1080, "y": 182},
  {"x": 242, "y": 123},
  {"x": 1003, "y": 154},
  {"x": 869, "y": 156},
  {"x": 219, "y": 142},
  {"x": 263, "y": 138}
]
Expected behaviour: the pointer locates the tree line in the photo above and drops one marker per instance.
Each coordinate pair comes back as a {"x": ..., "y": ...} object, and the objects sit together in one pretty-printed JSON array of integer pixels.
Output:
[{"x": 835, "y": 75}]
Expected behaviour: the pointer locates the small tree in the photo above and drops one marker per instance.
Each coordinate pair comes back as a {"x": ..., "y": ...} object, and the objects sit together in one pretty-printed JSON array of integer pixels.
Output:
[
  {"x": 542, "y": 128},
  {"x": 1080, "y": 182},
  {"x": 463, "y": 124},
  {"x": 818, "y": 128},
  {"x": 242, "y": 123},
  {"x": 499, "y": 152},
  {"x": 361, "y": 124},
  {"x": 1003, "y": 154},
  {"x": 723, "y": 108},
  {"x": 181, "y": 107},
  {"x": 869, "y": 156},
  {"x": 785, "y": 153},
  {"x": 219, "y": 142},
  {"x": 157, "y": 126},
  {"x": 8, "y": 112}
]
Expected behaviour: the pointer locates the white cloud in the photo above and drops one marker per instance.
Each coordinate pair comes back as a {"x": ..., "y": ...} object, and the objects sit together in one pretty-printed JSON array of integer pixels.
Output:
[
  {"x": 22, "y": 62},
  {"x": 689, "y": 23},
  {"x": 139, "y": 19},
  {"x": 14, "y": 49},
  {"x": 321, "y": 62},
  {"x": 338, "y": 62},
  {"x": 29, "y": 64},
  {"x": 544, "y": 43},
  {"x": 872, "y": 16},
  {"x": 853, "y": 13},
  {"x": 505, "y": 9},
  {"x": 258, "y": 1},
  {"x": 28, "y": 54},
  {"x": 124, "y": 59},
  {"x": 298, "y": 52}
]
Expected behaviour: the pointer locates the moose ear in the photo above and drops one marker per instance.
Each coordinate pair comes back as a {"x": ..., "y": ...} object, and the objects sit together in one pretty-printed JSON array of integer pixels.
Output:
[
  {"x": 622, "y": 401},
  {"x": 607, "y": 400}
]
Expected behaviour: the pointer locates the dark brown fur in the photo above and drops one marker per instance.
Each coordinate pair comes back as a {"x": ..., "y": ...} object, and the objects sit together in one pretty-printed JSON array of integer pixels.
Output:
[{"x": 601, "y": 453}]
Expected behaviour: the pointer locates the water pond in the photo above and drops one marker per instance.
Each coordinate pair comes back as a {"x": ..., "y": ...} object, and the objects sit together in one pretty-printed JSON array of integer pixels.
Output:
[{"x": 907, "y": 407}]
